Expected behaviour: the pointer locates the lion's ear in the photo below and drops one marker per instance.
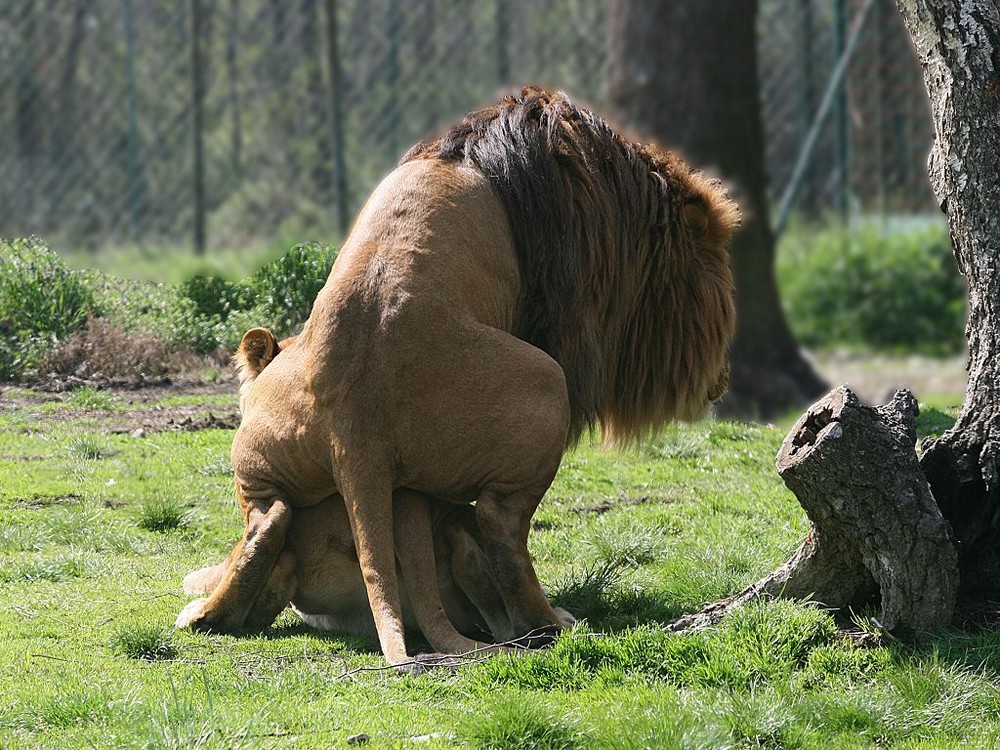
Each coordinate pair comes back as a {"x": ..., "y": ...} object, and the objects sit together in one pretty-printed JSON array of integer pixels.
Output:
[{"x": 255, "y": 352}]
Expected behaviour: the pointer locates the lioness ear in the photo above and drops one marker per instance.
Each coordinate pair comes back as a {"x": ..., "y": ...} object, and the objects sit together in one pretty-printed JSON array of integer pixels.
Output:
[{"x": 256, "y": 350}]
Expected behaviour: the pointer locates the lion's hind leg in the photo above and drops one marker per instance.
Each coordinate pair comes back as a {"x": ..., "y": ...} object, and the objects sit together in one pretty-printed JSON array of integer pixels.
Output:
[{"x": 415, "y": 551}]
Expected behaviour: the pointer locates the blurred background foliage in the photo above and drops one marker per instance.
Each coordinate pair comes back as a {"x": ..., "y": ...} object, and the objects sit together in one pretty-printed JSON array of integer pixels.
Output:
[
  {"x": 126, "y": 122},
  {"x": 131, "y": 131}
]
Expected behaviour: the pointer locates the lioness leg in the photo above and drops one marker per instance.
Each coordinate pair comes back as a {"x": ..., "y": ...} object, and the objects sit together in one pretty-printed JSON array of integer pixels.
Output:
[
  {"x": 504, "y": 521},
  {"x": 204, "y": 580},
  {"x": 276, "y": 594},
  {"x": 469, "y": 570},
  {"x": 251, "y": 564},
  {"x": 415, "y": 550},
  {"x": 273, "y": 598}
]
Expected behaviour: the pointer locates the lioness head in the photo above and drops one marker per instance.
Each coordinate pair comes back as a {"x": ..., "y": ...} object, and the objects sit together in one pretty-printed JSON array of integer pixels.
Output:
[{"x": 257, "y": 350}]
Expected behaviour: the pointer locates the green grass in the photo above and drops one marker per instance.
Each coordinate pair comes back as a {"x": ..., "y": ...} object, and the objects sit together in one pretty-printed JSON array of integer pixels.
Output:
[
  {"x": 163, "y": 514},
  {"x": 90, "y": 398},
  {"x": 93, "y": 550},
  {"x": 143, "y": 641}
]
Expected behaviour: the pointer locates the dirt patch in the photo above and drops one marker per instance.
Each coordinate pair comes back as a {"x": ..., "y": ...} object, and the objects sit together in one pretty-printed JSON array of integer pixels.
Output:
[
  {"x": 40, "y": 502},
  {"x": 605, "y": 506},
  {"x": 138, "y": 411},
  {"x": 143, "y": 423},
  {"x": 216, "y": 403}
]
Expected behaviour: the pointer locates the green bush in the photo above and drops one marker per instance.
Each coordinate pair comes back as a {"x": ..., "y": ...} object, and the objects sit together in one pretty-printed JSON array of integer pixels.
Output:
[
  {"x": 166, "y": 311},
  {"x": 287, "y": 287},
  {"x": 41, "y": 302},
  {"x": 214, "y": 297},
  {"x": 208, "y": 312},
  {"x": 866, "y": 287}
]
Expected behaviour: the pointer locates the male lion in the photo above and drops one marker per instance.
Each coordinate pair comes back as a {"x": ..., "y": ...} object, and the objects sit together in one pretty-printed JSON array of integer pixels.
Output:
[
  {"x": 529, "y": 275},
  {"x": 318, "y": 572}
]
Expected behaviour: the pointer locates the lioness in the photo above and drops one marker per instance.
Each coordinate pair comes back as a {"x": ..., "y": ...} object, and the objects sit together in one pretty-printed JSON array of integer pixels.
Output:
[
  {"x": 526, "y": 277},
  {"x": 318, "y": 572}
]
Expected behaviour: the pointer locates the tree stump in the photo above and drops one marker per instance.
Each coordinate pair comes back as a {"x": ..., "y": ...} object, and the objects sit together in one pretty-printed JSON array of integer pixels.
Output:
[{"x": 877, "y": 535}]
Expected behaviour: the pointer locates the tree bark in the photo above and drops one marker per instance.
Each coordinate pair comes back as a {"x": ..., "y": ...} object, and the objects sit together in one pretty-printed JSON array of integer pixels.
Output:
[
  {"x": 958, "y": 44},
  {"x": 924, "y": 551},
  {"x": 877, "y": 533},
  {"x": 685, "y": 74}
]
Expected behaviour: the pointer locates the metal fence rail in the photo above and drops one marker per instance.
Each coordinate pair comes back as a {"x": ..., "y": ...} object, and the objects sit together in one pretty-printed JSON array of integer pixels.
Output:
[{"x": 150, "y": 121}]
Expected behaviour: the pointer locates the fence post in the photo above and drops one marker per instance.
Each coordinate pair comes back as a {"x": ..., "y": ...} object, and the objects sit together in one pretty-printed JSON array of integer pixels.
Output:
[
  {"x": 805, "y": 152},
  {"x": 197, "y": 125},
  {"x": 394, "y": 26},
  {"x": 502, "y": 34},
  {"x": 843, "y": 145},
  {"x": 337, "y": 117},
  {"x": 128, "y": 20},
  {"x": 232, "y": 70},
  {"x": 808, "y": 94}
]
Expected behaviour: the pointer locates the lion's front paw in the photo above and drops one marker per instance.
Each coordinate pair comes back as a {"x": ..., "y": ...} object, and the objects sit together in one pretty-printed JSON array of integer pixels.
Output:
[{"x": 566, "y": 620}]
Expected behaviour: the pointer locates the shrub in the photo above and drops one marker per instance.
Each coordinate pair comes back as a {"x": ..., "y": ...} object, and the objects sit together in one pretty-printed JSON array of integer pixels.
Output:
[
  {"x": 214, "y": 297},
  {"x": 41, "y": 302},
  {"x": 185, "y": 317},
  {"x": 210, "y": 312},
  {"x": 287, "y": 287},
  {"x": 91, "y": 324},
  {"x": 871, "y": 288},
  {"x": 105, "y": 351}
]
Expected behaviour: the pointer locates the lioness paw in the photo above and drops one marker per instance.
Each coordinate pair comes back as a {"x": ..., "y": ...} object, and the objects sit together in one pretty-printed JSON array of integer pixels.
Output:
[
  {"x": 191, "y": 614},
  {"x": 202, "y": 581},
  {"x": 565, "y": 618}
]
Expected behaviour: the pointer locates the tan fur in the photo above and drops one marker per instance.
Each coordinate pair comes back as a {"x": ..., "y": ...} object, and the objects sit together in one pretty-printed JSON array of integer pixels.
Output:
[
  {"x": 529, "y": 275},
  {"x": 322, "y": 580},
  {"x": 318, "y": 573}
]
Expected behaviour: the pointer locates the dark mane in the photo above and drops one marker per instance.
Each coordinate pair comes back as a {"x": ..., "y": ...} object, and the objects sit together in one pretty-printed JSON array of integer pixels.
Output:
[{"x": 621, "y": 248}]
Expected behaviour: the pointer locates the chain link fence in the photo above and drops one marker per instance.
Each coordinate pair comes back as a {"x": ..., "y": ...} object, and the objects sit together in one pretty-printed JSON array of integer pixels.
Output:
[{"x": 224, "y": 122}]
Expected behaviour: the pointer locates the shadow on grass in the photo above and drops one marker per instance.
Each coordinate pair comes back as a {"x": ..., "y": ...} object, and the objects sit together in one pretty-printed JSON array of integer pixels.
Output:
[{"x": 600, "y": 595}]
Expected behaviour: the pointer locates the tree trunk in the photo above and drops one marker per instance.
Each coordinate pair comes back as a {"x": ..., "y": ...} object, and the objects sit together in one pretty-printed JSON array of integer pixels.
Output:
[
  {"x": 685, "y": 73},
  {"x": 868, "y": 499},
  {"x": 877, "y": 533},
  {"x": 958, "y": 44}
]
